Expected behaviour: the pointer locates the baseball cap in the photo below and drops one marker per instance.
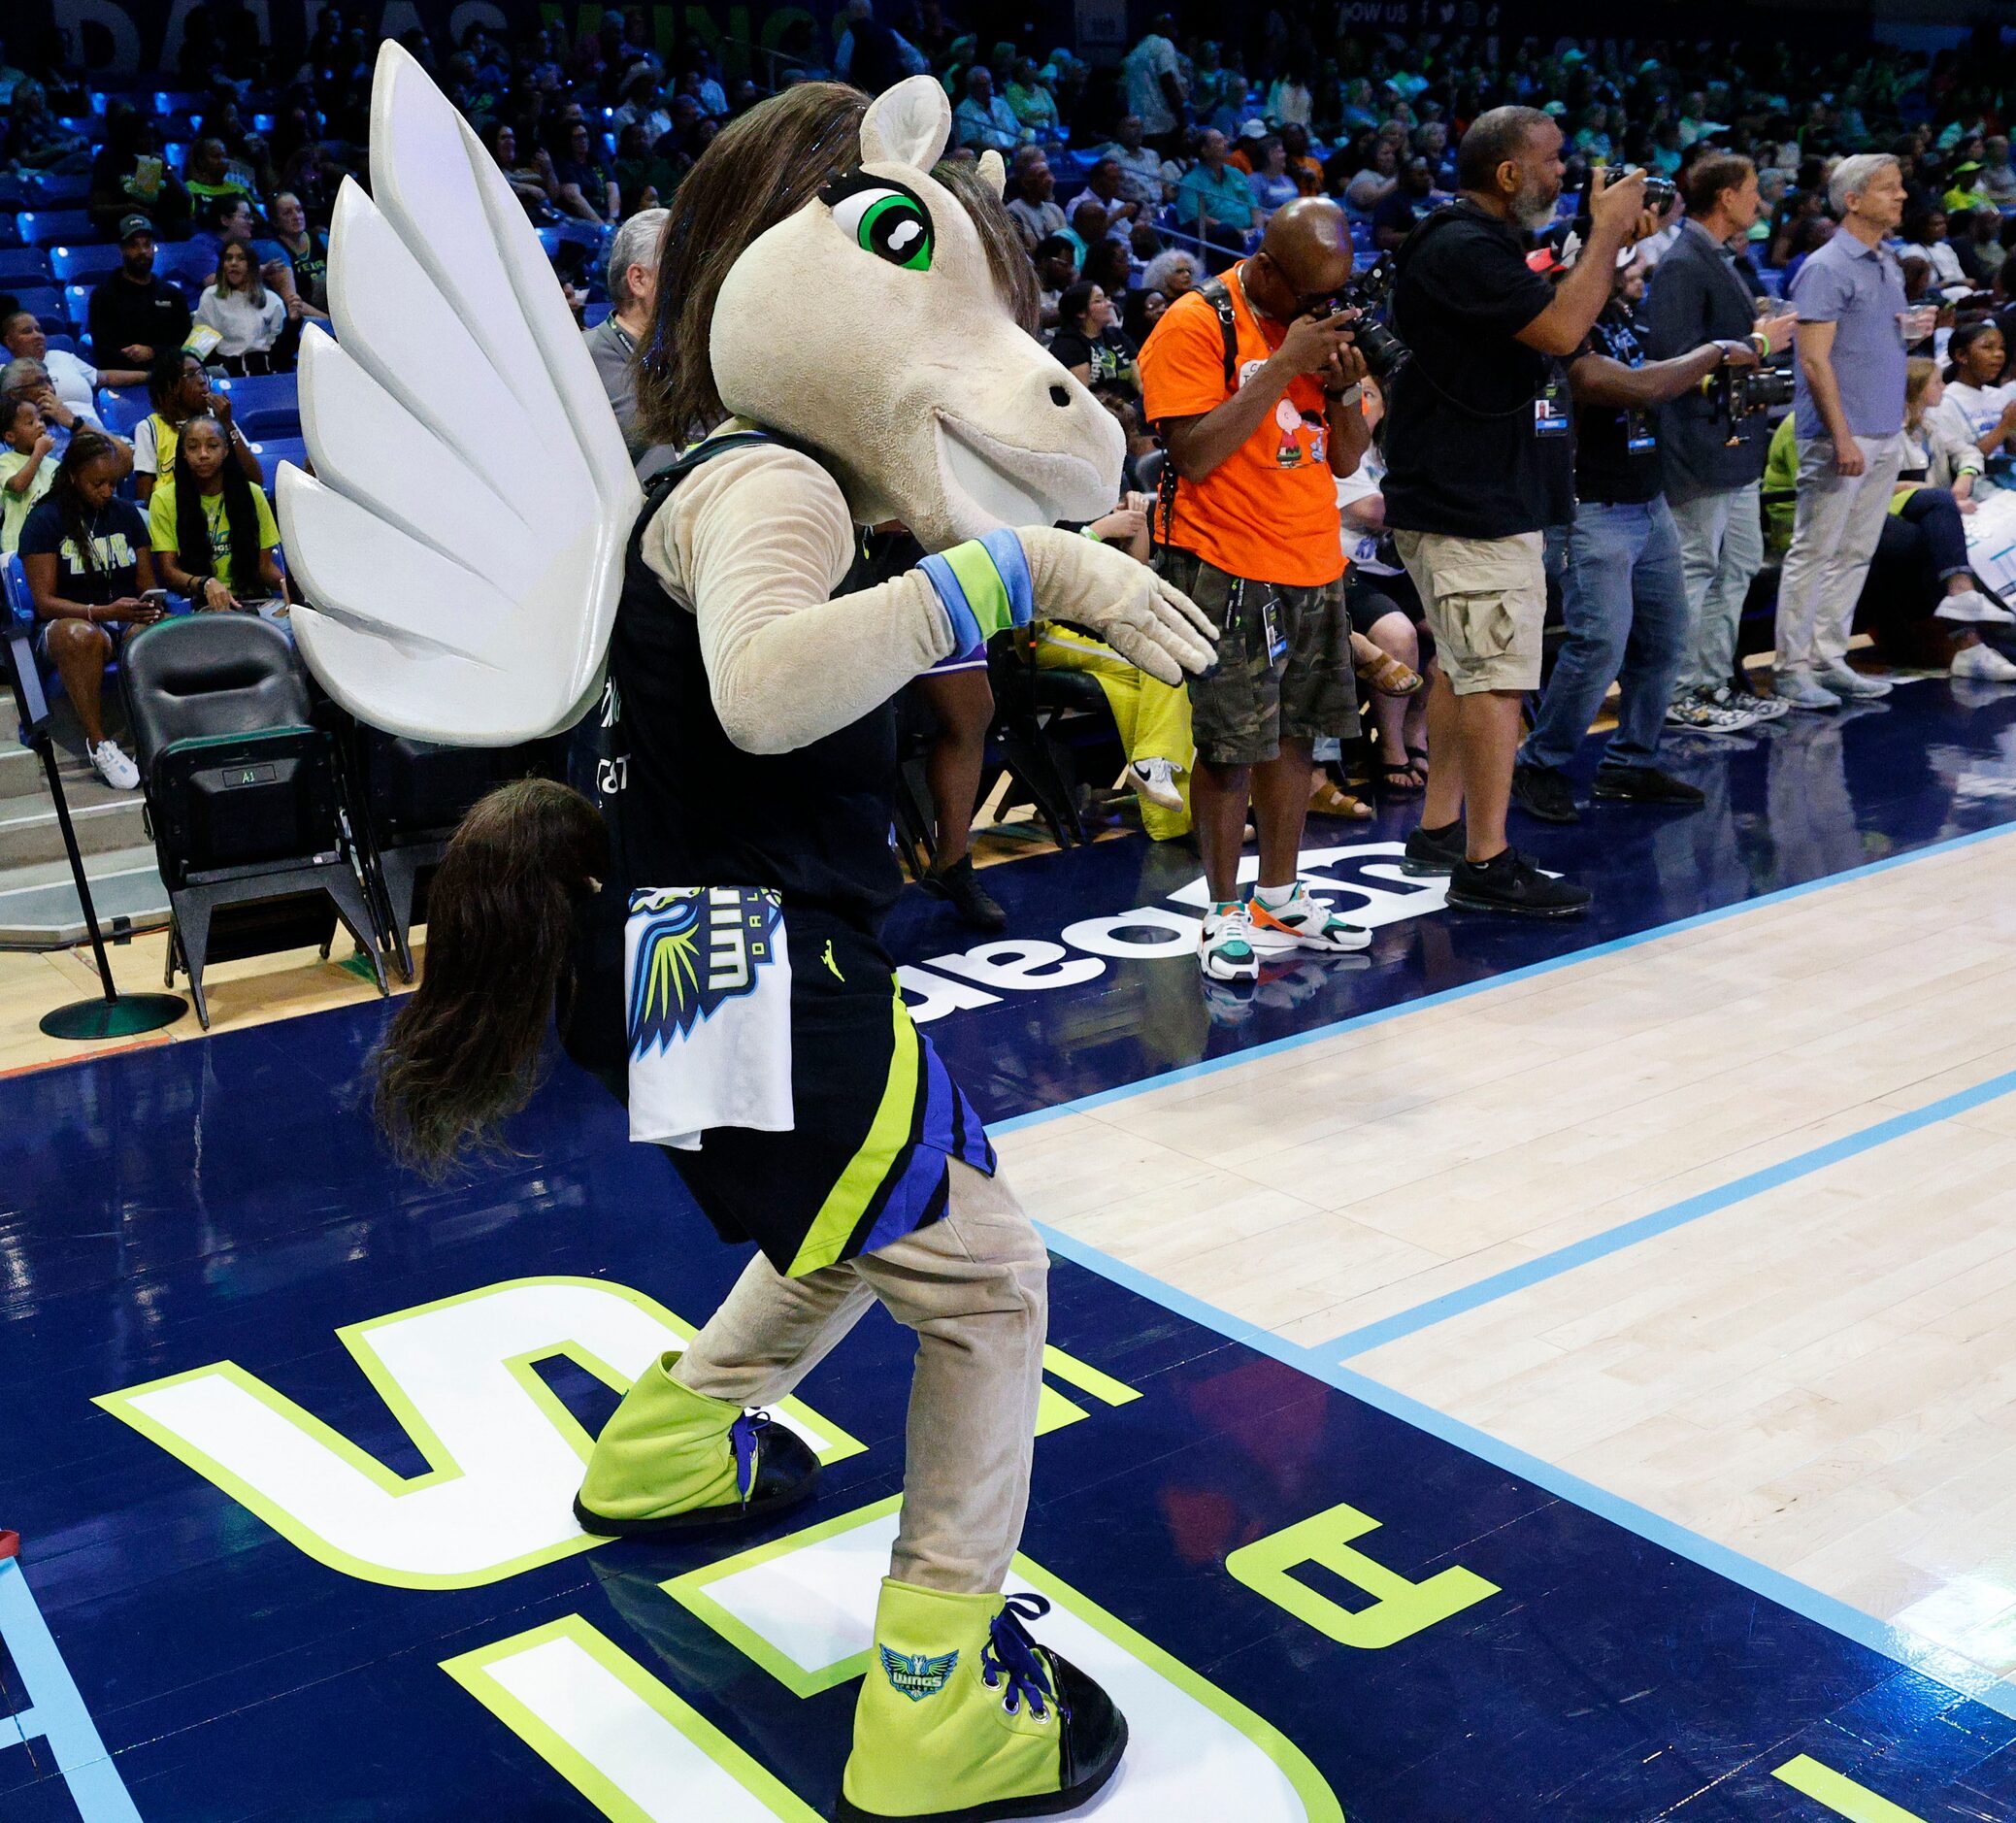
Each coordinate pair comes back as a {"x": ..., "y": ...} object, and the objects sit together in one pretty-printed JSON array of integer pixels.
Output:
[
  {"x": 1961, "y": 170},
  {"x": 1257, "y": 129},
  {"x": 130, "y": 225}
]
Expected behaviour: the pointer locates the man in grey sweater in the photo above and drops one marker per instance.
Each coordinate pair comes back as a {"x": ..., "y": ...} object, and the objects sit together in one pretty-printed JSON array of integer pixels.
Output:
[{"x": 633, "y": 289}]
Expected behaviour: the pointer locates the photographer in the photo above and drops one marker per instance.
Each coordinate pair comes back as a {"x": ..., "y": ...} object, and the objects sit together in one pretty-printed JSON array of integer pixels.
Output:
[
  {"x": 1254, "y": 383},
  {"x": 1712, "y": 463},
  {"x": 1850, "y": 412},
  {"x": 1623, "y": 596},
  {"x": 1480, "y": 460}
]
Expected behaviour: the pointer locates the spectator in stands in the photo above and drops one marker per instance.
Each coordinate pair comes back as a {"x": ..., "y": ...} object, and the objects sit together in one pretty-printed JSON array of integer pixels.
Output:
[
  {"x": 1089, "y": 226},
  {"x": 1215, "y": 202},
  {"x": 1996, "y": 178},
  {"x": 88, "y": 567},
  {"x": 178, "y": 387},
  {"x": 530, "y": 177},
  {"x": 208, "y": 177},
  {"x": 212, "y": 526},
  {"x": 1031, "y": 102},
  {"x": 1376, "y": 181},
  {"x": 586, "y": 190},
  {"x": 219, "y": 219},
  {"x": 1031, "y": 202},
  {"x": 1289, "y": 100},
  {"x": 1710, "y": 466},
  {"x": 872, "y": 55},
  {"x": 1253, "y": 538},
  {"x": 1975, "y": 406},
  {"x": 134, "y": 315},
  {"x": 1850, "y": 408},
  {"x": 1237, "y": 107},
  {"x": 1173, "y": 273},
  {"x": 131, "y": 178},
  {"x": 26, "y": 466},
  {"x": 984, "y": 121},
  {"x": 1924, "y": 233},
  {"x": 1088, "y": 340},
  {"x": 632, "y": 290},
  {"x": 248, "y": 318},
  {"x": 1142, "y": 166},
  {"x": 303, "y": 249},
  {"x": 74, "y": 382},
  {"x": 1154, "y": 85},
  {"x": 644, "y": 103},
  {"x": 1272, "y": 186},
  {"x": 1966, "y": 192},
  {"x": 1056, "y": 268},
  {"x": 33, "y": 139},
  {"x": 1301, "y": 167},
  {"x": 1104, "y": 183},
  {"x": 1404, "y": 206}
]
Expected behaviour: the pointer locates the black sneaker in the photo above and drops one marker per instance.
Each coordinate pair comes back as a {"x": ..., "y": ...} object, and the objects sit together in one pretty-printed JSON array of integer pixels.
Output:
[
  {"x": 1544, "y": 792},
  {"x": 1433, "y": 851},
  {"x": 961, "y": 887},
  {"x": 1641, "y": 784},
  {"x": 1509, "y": 882}
]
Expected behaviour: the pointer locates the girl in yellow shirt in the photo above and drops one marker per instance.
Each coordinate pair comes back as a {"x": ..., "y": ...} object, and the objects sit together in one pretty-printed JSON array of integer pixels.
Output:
[{"x": 213, "y": 529}]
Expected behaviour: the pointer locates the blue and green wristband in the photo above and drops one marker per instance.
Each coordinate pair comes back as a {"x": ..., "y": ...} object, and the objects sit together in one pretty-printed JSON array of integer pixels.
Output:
[{"x": 983, "y": 586}]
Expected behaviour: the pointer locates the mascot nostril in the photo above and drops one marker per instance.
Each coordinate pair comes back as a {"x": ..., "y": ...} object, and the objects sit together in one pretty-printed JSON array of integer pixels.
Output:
[{"x": 1058, "y": 396}]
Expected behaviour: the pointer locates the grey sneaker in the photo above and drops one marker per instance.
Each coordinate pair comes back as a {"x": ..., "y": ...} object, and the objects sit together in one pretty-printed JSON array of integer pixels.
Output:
[
  {"x": 1752, "y": 708},
  {"x": 1797, "y": 690},
  {"x": 1698, "y": 711},
  {"x": 1849, "y": 684}
]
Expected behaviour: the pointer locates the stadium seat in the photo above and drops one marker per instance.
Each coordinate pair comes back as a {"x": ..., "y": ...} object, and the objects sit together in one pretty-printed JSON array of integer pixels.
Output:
[
  {"x": 122, "y": 408},
  {"x": 43, "y": 302},
  {"x": 77, "y": 303},
  {"x": 60, "y": 345},
  {"x": 257, "y": 392},
  {"x": 270, "y": 423},
  {"x": 281, "y": 449},
  {"x": 595, "y": 313},
  {"x": 60, "y": 189},
  {"x": 83, "y": 265},
  {"x": 50, "y": 228},
  {"x": 243, "y": 795},
  {"x": 24, "y": 265}
]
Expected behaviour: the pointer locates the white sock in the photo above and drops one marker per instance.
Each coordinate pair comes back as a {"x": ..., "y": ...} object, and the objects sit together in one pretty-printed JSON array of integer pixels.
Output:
[{"x": 1274, "y": 898}]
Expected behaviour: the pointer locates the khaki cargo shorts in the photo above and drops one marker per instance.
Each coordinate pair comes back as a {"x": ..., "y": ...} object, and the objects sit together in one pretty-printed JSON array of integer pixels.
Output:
[{"x": 1486, "y": 599}]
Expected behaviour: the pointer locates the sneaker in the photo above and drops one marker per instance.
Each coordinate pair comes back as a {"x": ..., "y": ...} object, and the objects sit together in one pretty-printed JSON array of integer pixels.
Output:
[
  {"x": 1848, "y": 684},
  {"x": 1750, "y": 708},
  {"x": 1971, "y": 607},
  {"x": 110, "y": 762},
  {"x": 1225, "y": 951},
  {"x": 960, "y": 886},
  {"x": 1509, "y": 882},
  {"x": 1797, "y": 690},
  {"x": 1699, "y": 711},
  {"x": 1301, "y": 921},
  {"x": 1544, "y": 792},
  {"x": 1154, "y": 781},
  {"x": 1983, "y": 662},
  {"x": 1644, "y": 784},
  {"x": 1433, "y": 851}
]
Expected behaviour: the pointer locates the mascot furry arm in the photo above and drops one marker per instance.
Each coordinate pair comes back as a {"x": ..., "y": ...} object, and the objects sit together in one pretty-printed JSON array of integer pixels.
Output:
[{"x": 462, "y": 540}]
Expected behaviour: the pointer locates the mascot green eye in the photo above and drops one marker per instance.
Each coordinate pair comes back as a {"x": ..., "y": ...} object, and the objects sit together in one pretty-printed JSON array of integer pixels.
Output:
[{"x": 883, "y": 217}]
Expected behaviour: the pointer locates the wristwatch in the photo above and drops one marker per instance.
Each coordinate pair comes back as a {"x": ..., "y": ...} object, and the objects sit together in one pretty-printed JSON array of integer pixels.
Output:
[{"x": 1350, "y": 395}]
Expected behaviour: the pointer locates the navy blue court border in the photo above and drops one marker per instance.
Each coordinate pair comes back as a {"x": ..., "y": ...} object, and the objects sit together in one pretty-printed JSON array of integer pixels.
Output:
[{"x": 1909, "y": 1650}]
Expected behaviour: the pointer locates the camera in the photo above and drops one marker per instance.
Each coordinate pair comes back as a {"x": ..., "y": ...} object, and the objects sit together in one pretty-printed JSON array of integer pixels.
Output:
[
  {"x": 1385, "y": 353},
  {"x": 1660, "y": 192},
  {"x": 1741, "y": 391}
]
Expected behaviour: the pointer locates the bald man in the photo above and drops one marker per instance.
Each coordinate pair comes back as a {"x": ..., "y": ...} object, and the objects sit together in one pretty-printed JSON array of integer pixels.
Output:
[{"x": 1254, "y": 385}]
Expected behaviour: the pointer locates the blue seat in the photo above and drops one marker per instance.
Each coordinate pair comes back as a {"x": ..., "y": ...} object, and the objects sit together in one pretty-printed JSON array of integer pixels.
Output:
[
  {"x": 60, "y": 345},
  {"x": 20, "y": 265},
  {"x": 122, "y": 408},
  {"x": 178, "y": 100},
  {"x": 45, "y": 304},
  {"x": 83, "y": 265},
  {"x": 60, "y": 190},
  {"x": 14, "y": 194},
  {"x": 20, "y": 604},
  {"x": 50, "y": 227},
  {"x": 90, "y": 126},
  {"x": 190, "y": 261},
  {"x": 281, "y": 450},
  {"x": 593, "y": 314},
  {"x": 260, "y": 392},
  {"x": 269, "y": 423},
  {"x": 77, "y": 303}
]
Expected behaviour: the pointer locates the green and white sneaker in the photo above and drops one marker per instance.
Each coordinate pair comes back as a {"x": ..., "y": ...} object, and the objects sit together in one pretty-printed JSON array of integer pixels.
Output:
[
  {"x": 963, "y": 1718},
  {"x": 1301, "y": 921},
  {"x": 1224, "y": 952},
  {"x": 671, "y": 1460}
]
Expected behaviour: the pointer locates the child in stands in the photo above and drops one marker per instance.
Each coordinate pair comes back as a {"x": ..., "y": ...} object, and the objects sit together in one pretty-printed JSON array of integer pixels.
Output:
[
  {"x": 25, "y": 470},
  {"x": 213, "y": 529}
]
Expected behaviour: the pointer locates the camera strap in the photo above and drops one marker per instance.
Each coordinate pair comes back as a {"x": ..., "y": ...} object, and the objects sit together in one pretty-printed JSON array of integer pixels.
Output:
[
  {"x": 1415, "y": 369},
  {"x": 1218, "y": 295}
]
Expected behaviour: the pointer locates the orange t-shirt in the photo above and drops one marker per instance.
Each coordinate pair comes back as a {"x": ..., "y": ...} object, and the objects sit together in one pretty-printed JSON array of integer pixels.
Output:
[{"x": 1268, "y": 512}]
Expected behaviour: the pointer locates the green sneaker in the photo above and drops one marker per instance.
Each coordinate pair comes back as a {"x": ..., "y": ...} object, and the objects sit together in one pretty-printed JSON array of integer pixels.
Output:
[
  {"x": 964, "y": 1718},
  {"x": 670, "y": 1460}
]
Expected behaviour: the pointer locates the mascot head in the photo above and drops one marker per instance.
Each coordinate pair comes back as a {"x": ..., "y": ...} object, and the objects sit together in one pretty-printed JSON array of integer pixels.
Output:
[{"x": 818, "y": 278}]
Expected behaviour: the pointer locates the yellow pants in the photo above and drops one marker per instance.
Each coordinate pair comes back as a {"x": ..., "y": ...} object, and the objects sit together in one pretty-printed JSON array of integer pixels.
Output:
[{"x": 1153, "y": 717}]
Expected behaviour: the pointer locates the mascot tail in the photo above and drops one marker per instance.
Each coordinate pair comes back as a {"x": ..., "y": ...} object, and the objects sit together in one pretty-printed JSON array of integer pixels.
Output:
[{"x": 462, "y": 1056}]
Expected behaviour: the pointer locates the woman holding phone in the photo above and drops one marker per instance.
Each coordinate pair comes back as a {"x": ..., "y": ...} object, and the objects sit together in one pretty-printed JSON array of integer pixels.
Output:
[
  {"x": 213, "y": 529},
  {"x": 90, "y": 572}
]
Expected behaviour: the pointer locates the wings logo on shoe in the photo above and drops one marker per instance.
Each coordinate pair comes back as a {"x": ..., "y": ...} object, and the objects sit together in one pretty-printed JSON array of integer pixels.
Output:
[{"x": 918, "y": 1676}]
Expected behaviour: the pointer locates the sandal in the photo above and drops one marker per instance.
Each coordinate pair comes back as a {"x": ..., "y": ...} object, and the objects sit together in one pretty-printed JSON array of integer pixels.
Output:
[
  {"x": 1385, "y": 674},
  {"x": 1327, "y": 800},
  {"x": 1406, "y": 779}
]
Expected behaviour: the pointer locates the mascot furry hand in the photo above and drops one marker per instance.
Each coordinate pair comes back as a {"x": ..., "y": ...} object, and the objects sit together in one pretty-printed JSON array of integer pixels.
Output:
[{"x": 463, "y": 536}]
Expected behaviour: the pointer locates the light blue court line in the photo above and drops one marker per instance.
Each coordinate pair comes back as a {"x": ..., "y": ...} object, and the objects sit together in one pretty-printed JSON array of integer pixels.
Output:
[
  {"x": 1905, "y": 1649},
  {"x": 1379, "y": 1015},
  {"x": 1660, "y": 1221}
]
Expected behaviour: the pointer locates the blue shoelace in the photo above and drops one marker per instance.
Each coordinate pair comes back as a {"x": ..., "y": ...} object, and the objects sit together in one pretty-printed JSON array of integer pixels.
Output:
[
  {"x": 741, "y": 1438},
  {"x": 1010, "y": 1653}
]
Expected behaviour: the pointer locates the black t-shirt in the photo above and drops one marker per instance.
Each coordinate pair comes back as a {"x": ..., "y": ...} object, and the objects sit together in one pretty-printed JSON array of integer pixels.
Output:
[
  {"x": 1479, "y": 441},
  {"x": 1617, "y": 452},
  {"x": 1399, "y": 211},
  {"x": 154, "y": 315},
  {"x": 1110, "y": 354},
  {"x": 112, "y": 570}
]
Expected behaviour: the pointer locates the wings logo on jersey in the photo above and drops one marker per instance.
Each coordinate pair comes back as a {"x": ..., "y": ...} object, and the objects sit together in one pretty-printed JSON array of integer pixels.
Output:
[{"x": 702, "y": 946}]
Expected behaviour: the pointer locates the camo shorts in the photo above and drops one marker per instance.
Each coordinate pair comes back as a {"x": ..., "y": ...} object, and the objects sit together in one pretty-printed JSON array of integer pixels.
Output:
[{"x": 1284, "y": 668}]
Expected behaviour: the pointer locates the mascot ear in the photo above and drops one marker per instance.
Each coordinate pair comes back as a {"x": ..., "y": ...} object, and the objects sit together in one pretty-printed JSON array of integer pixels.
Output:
[
  {"x": 907, "y": 124},
  {"x": 993, "y": 173}
]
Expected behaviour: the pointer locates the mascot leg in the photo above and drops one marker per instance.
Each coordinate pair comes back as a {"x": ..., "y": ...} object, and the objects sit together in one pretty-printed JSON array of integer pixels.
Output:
[
  {"x": 682, "y": 1450},
  {"x": 962, "y": 1716}
]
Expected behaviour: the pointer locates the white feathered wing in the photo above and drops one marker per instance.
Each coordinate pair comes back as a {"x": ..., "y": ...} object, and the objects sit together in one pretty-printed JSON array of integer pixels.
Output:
[{"x": 462, "y": 537}]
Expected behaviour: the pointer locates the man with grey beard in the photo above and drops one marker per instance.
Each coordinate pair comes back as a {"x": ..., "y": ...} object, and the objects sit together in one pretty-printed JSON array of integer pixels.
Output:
[{"x": 1480, "y": 462}]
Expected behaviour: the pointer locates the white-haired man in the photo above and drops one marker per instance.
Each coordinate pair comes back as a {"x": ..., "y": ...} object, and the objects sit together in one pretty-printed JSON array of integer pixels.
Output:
[
  {"x": 632, "y": 290},
  {"x": 1851, "y": 346}
]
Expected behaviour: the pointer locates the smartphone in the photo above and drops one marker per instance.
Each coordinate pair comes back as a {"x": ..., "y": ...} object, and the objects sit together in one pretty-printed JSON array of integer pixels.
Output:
[{"x": 154, "y": 597}]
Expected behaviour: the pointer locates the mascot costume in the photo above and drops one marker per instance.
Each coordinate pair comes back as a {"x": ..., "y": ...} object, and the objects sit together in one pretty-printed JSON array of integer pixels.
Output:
[{"x": 479, "y": 558}]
